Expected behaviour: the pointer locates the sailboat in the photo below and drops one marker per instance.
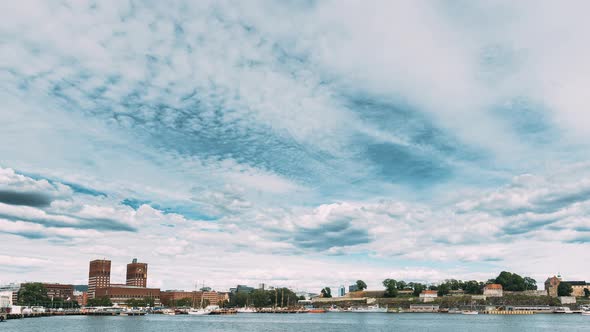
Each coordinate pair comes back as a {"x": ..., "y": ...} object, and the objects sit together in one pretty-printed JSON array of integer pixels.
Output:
[
  {"x": 201, "y": 311},
  {"x": 246, "y": 309}
]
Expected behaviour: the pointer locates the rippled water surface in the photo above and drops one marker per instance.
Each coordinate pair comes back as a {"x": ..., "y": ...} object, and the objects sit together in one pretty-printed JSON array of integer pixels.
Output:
[{"x": 343, "y": 322}]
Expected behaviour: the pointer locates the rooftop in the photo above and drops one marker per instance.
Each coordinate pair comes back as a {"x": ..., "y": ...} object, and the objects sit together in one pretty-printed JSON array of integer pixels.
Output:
[{"x": 493, "y": 286}]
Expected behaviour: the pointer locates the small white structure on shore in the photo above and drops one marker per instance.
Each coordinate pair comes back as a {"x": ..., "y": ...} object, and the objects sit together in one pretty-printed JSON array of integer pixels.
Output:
[
  {"x": 428, "y": 295},
  {"x": 493, "y": 290}
]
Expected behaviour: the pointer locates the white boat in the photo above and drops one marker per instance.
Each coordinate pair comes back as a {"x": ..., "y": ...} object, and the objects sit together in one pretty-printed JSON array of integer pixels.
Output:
[
  {"x": 199, "y": 312},
  {"x": 562, "y": 310},
  {"x": 469, "y": 312},
  {"x": 585, "y": 313},
  {"x": 246, "y": 310},
  {"x": 371, "y": 308}
]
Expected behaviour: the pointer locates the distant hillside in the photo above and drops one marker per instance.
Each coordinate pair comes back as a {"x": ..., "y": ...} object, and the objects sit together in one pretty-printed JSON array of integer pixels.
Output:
[{"x": 81, "y": 288}]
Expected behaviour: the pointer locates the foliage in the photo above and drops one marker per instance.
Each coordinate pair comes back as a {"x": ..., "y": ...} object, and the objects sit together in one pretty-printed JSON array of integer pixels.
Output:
[
  {"x": 264, "y": 298},
  {"x": 586, "y": 292},
  {"x": 145, "y": 302},
  {"x": 32, "y": 294},
  {"x": 530, "y": 283},
  {"x": 185, "y": 302},
  {"x": 564, "y": 289},
  {"x": 444, "y": 289},
  {"x": 514, "y": 282},
  {"x": 99, "y": 302},
  {"x": 326, "y": 292},
  {"x": 417, "y": 287},
  {"x": 390, "y": 287},
  {"x": 473, "y": 287},
  {"x": 361, "y": 285}
]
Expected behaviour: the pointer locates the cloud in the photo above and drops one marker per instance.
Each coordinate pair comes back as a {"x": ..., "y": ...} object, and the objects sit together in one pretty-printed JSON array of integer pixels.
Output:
[
  {"x": 16, "y": 189},
  {"x": 410, "y": 137}
]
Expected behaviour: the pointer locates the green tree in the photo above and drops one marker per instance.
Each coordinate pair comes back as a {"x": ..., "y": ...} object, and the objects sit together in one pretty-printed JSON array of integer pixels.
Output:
[
  {"x": 473, "y": 287},
  {"x": 361, "y": 285},
  {"x": 511, "y": 281},
  {"x": 390, "y": 287},
  {"x": 103, "y": 301},
  {"x": 185, "y": 302},
  {"x": 401, "y": 285},
  {"x": 530, "y": 283},
  {"x": 564, "y": 289},
  {"x": 418, "y": 288},
  {"x": 261, "y": 298},
  {"x": 326, "y": 292},
  {"x": 586, "y": 292},
  {"x": 443, "y": 289},
  {"x": 32, "y": 294}
]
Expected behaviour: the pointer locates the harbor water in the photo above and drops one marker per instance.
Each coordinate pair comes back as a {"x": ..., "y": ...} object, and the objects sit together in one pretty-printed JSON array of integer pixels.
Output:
[{"x": 342, "y": 322}]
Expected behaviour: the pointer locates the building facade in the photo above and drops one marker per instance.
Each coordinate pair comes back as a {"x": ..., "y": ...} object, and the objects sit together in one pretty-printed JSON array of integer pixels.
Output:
[
  {"x": 136, "y": 274},
  {"x": 99, "y": 276},
  {"x": 169, "y": 298},
  {"x": 13, "y": 288},
  {"x": 578, "y": 287},
  {"x": 6, "y": 299},
  {"x": 424, "y": 308},
  {"x": 120, "y": 294},
  {"x": 81, "y": 297},
  {"x": 428, "y": 295},
  {"x": 60, "y": 291},
  {"x": 493, "y": 290}
]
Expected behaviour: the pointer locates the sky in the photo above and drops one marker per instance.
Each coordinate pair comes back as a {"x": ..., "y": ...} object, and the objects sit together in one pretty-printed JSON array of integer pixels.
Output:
[{"x": 299, "y": 144}]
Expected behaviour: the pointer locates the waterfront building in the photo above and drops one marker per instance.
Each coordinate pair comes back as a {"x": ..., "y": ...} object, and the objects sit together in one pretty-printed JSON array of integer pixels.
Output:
[
  {"x": 120, "y": 294},
  {"x": 136, "y": 274},
  {"x": 552, "y": 283},
  {"x": 99, "y": 276},
  {"x": 428, "y": 295},
  {"x": 424, "y": 308},
  {"x": 6, "y": 299},
  {"x": 169, "y": 298},
  {"x": 58, "y": 291},
  {"x": 353, "y": 288},
  {"x": 341, "y": 291},
  {"x": 81, "y": 297},
  {"x": 493, "y": 290},
  {"x": 13, "y": 288}
]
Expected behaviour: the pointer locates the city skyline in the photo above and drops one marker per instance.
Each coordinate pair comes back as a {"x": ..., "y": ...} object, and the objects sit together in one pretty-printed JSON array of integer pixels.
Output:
[{"x": 296, "y": 144}]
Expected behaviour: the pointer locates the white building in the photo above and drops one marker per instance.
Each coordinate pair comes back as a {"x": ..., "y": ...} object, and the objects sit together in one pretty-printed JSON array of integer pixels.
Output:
[
  {"x": 493, "y": 290},
  {"x": 6, "y": 299},
  {"x": 428, "y": 295}
]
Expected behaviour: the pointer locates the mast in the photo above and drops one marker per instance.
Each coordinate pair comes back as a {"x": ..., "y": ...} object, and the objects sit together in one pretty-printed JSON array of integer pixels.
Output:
[
  {"x": 202, "y": 294},
  {"x": 194, "y": 294}
]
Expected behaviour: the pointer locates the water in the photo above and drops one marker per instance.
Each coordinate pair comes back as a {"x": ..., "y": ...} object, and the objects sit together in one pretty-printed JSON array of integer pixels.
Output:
[{"x": 341, "y": 322}]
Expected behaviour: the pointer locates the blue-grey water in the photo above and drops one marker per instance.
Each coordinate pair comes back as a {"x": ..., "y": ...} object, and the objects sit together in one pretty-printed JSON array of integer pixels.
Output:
[{"x": 342, "y": 322}]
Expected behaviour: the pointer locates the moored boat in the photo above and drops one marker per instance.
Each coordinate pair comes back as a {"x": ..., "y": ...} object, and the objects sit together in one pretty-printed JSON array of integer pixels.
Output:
[
  {"x": 469, "y": 312},
  {"x": 372, "y": 308}
]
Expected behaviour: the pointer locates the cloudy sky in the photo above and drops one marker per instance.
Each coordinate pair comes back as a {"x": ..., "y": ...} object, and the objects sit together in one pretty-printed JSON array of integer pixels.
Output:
[{"x": 295, "y": 143}]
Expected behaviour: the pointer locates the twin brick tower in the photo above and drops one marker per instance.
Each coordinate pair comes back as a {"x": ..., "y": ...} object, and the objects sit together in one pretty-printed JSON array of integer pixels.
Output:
[{"x": 99, "y": 275}]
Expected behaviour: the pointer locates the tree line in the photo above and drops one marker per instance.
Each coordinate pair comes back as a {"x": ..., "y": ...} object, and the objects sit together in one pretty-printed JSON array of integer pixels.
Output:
[{"x": 509, "y": 281}]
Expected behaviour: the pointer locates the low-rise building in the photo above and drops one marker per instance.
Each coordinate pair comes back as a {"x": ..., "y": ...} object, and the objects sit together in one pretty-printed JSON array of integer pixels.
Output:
[
  {"x": 424, "y": 307},
  {"x": 81, "y": 297},
  {"x": 13, "y": 288},
  {"x": 578, "y": 287},
  {"x": 428, "y": 295},
  {"x": 58, "y": 291},
  {"x": 6, "y": 299},
  {"x": 120, "y": 294},
  {"x": 493, "y": 290},
  {"x": 169, "y": 298}
]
